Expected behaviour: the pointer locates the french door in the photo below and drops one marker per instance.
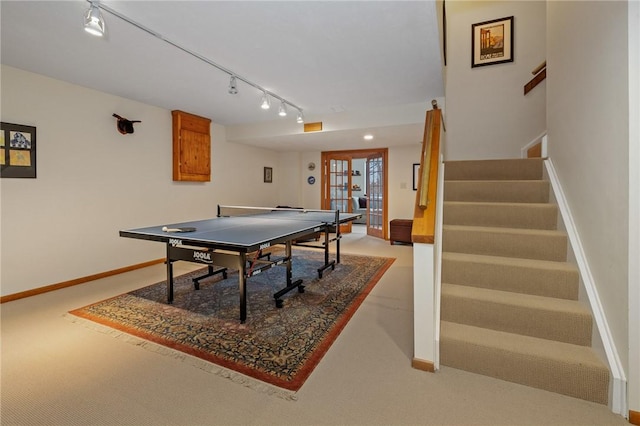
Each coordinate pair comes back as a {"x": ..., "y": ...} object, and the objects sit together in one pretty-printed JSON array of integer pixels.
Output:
[
  {"x": 375, "y": 195},
  {"x": 337, "y": 187}
]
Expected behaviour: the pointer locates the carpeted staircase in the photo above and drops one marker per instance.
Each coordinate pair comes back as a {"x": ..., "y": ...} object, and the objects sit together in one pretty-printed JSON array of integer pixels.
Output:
[{"x": 510, "y": 305}]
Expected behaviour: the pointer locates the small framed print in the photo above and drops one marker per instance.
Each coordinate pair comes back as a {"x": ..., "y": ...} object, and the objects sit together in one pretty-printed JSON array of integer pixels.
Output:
[
  {"x": 416, "y": 175},
  {"x": 492, "y": 42},
  {"x": 17, "y": 151},
  {"x": 268, "y": 174}
]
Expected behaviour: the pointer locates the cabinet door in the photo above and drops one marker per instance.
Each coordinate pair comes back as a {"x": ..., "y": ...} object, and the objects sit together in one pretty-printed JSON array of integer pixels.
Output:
[
  {"x": 191, "y": 147},
  {"x": 195, "y": 155}
]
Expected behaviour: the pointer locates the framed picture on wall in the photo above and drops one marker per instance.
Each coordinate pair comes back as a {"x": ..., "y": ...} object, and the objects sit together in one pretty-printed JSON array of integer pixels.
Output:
[
  {"x": 17, "y": 151},
  {"x": 492, "y": 42},
  {"x": 268, "y": 174}
]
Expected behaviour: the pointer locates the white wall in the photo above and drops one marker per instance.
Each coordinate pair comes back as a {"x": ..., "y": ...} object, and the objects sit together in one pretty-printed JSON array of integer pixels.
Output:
[
  {"x": 487, "y": 114},
  {"x": 634, "y": 206},
  {"x": 588, "y": 125},
  {"x": 293, "y": 188},
  {"x": 402, "y": 197},
  {"x": 289, "y": 186},
  {"x": 92, "y": 181}
]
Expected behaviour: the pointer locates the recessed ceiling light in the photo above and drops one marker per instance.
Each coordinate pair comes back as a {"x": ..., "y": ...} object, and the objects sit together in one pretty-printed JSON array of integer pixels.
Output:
[{"x": 368, "y": 137}]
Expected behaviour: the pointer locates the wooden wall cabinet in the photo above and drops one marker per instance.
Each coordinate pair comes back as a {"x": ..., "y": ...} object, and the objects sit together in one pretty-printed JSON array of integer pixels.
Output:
[{"x": 191, "y": 147}]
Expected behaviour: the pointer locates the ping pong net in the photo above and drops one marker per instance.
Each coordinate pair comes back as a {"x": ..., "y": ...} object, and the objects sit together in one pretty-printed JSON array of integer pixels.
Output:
[{"x": 281, "y": 212}]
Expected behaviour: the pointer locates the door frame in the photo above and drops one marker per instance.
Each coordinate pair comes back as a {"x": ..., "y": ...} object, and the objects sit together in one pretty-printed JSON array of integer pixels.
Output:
[{"x": 359, "y": 154}]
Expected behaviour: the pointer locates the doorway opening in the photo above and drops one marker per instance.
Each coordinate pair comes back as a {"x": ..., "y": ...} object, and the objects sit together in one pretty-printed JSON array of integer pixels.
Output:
[{"x": 356, "y": 182}]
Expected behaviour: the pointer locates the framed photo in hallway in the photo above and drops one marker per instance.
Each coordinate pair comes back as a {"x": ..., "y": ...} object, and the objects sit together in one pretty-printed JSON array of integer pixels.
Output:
[
  {"x": 17, "y": 151},
  {"x": 268, "y": 174},
  {"x": 492, "y": 42}
]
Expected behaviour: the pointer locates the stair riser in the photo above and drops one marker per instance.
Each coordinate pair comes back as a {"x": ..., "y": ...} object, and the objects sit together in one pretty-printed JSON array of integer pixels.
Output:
[
  {"x": 540, "y": 282},
  {"x": 496, "y": 191},
  {"x": 574, "y": 328},
  {"x": 575, "y": 380},
  {"x": 519, "y": 169},
  {"x": 527, "y": 246},
  {"x": 524, "y": 216}
]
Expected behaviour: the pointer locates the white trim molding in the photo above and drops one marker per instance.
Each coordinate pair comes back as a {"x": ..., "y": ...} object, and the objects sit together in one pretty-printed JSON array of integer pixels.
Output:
[
  {"x": 619, "y": 384},
  {"x": 424, "y": 329},
  {"x": 541, "y": 138}
]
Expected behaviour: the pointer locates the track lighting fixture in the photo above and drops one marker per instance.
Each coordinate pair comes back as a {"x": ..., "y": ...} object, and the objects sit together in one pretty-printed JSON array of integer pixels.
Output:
[
  {"x": 233, "y": 88},
  {"x": 266, "y": 104},
  {"x": 282, "y": 112},
  {"x": 93, "y": 22},
  {"x": 300, "y": 117}
]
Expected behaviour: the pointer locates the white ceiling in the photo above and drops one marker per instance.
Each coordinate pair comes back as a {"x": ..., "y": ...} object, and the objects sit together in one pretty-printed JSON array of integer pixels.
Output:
[{"x": 327, "y": 57}]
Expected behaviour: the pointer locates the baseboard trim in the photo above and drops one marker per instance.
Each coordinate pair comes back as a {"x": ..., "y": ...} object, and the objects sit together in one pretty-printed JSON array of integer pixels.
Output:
[
  {"x": 82, "y": 280},
  {"x": 421, "y": 364},
  {"x": 619, "y": 384},
  {"x": 634, "y": 417}
]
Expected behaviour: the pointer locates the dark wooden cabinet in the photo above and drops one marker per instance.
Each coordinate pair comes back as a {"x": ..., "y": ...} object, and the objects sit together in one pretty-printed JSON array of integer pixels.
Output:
[
  {"x": 400, "y": 230},
  {"x": 191, "y": 147}
]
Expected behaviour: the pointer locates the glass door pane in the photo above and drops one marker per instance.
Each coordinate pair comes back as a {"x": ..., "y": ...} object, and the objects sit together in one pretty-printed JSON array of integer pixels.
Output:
[
  {"x": 339, "y": 186},
  {"x": 375, "y": 194}
]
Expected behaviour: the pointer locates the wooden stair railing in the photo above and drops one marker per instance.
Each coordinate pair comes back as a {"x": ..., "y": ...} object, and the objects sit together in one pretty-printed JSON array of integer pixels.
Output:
[
  {"x": 540, "y": 74},
  {"x": 424, "y": 216}
]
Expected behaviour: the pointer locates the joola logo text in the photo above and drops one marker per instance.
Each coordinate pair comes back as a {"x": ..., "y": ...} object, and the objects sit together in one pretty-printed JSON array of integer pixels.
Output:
[
  {"x": 265, "y": 245},
  {"x": 201, "y": 256},
  {"x": 175, "y": 241}
]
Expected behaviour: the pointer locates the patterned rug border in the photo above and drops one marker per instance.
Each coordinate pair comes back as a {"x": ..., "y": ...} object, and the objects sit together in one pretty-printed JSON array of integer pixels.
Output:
[
  {"x": 200, "y": 363},
  {"x": 212, "y": 364}
]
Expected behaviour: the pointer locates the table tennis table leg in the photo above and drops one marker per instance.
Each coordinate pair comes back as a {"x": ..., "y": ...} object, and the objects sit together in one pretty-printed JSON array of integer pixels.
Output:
[
  {"x": 169, "y": 275},
  {"x": 242, "y": 285},
  {"x": 338, "y": 243},
  {"x": 327, "y": 264},
  {"x": 290, "y": 284}
]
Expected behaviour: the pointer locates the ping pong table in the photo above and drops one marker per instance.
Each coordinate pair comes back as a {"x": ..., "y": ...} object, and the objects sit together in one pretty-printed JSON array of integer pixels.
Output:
[{"x": 237, "y": 242}]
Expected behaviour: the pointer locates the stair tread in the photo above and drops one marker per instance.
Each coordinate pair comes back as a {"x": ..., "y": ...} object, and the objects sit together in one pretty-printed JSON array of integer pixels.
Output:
[
  {"x": 504, "y": 230},
  {"x": 498, "y": 191},
  {"x": 508, "y": 169},
  {"x": 501, "y": 204},
  {"x": 498, "y": 180},
  {"x": 565, "y": 353},
  {"x": 509, "y": 261},
  {"x": 522, "y": 300}
]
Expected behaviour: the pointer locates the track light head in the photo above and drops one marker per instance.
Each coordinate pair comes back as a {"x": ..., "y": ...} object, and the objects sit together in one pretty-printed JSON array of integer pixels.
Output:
[
  {"x": 94, "y": 24},
  {"x": 93, "y": 21},
  {"x": 266, "y": 104},
  {"x": 233, "y": 89},
  {"x": 282, "y": 112}
]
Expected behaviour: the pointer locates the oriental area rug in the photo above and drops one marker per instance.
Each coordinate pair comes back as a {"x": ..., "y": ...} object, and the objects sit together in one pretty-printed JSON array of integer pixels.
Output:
[{"x": 275, "y": 350}]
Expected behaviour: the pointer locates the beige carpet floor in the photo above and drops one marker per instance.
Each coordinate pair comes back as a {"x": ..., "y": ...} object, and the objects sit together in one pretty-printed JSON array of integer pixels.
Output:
[{"x": 56, "y": 372}]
